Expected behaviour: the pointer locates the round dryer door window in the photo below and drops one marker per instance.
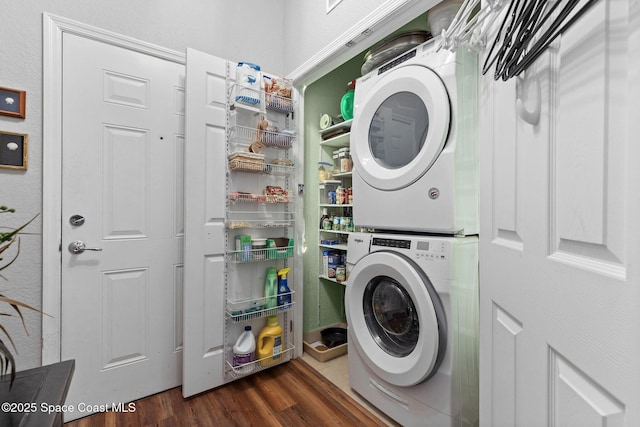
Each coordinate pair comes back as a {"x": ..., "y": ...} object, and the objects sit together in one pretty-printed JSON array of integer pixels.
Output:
[
  {"x": 400, "y": 126},
  {"x": 391, "y": 316},
  {"x": 396, "y": 319}
]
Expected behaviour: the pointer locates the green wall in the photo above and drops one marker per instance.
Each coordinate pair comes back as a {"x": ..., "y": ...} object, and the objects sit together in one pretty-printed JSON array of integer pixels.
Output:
[{"x": 323, "y": 300}]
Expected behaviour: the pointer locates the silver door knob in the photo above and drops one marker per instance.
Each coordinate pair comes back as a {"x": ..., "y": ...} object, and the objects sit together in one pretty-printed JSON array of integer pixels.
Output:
[{"x": 78, "y": 247}]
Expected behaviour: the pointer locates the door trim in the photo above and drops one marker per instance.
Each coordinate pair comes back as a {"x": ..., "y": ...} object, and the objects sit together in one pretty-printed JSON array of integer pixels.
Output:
[
  {"x": 54, "y": 27},
  {"x": 388, "y": 17}
]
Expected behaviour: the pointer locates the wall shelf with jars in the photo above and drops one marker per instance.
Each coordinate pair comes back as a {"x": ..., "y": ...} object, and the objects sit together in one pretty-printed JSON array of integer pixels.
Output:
[{"x": 335, "y": 201}]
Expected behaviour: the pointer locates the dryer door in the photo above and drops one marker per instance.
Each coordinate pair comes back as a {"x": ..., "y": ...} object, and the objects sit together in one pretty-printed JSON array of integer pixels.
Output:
[
  {"x": 396, "y": 319},
  {"x": 400, "y": 126}
]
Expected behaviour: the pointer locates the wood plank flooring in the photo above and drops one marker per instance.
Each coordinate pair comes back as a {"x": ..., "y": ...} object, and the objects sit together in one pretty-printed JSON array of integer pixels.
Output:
[{"x": 292, "y": 394}]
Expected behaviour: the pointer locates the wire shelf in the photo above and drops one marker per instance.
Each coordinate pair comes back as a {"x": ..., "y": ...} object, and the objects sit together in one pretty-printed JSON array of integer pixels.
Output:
[
  {"x": 279, "y": 104},
  {"x": 246, "y": 96},
  {"x": 240, "y": 197},
  {"x": 258, "y": 365},
  {"x": 235, "y": 224},
  {"x": 259, "y": 255},
  {"x": 270, "y": 138},
  {"x": 253, "y": 166},
  {"x": 242, "y": 311}
]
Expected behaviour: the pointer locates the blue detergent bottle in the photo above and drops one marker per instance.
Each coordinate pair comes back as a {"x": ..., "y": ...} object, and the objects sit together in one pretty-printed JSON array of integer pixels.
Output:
[{"x": 284, "y": 293}]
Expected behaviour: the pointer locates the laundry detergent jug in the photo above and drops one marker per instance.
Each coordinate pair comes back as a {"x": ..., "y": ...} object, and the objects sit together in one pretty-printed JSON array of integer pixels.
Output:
[{"x": 270, "y": 343}]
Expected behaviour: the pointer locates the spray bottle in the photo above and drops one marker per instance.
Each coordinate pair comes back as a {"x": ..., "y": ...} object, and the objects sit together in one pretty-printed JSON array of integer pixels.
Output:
[{"x": 284, "y": 293}]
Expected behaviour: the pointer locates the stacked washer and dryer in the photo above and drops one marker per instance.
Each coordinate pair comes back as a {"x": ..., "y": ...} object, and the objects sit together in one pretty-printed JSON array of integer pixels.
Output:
[{"x": 412, "y": 294}]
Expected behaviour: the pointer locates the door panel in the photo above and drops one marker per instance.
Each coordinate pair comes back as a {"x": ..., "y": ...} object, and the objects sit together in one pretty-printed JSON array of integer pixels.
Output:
[
  {"x": 589, "y": 227},
  {"x": 120, "y": 172},
  {"x": 577, "y": 400},
  {"x": 205, "y": 169},
  {"x": 558, "y": 293}
]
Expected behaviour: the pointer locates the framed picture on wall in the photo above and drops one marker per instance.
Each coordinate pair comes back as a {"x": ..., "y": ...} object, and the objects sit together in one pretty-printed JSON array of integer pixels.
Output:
[
  {"x": 13, "y": 150},
  {"x": 12, "y": 102}
]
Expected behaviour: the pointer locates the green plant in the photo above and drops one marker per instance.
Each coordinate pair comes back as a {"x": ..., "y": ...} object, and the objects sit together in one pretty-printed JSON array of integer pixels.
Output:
[{"x": 7, "y": 240}]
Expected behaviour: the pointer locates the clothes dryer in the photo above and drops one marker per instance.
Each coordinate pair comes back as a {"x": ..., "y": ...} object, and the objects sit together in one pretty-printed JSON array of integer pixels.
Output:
[
  {"x": 412, "y": 310},
  {"x": 414, "y": 144}
]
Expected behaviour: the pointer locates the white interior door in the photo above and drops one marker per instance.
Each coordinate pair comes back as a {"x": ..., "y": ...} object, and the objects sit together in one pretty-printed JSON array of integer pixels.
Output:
[
  {"x": 205, "y": 178},
  {"x": 560, "y": 282},
  {"x": 122, "y": 172}
]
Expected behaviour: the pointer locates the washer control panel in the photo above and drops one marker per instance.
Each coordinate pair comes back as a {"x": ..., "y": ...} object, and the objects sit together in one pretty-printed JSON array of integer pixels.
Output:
[
  {"x": 420, "y": 250},
  {"x": 430, "y": 250}
]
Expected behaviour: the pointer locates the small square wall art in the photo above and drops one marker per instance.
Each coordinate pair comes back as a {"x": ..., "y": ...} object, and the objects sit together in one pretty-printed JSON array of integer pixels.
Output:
[
  {"x": 13, "y": 150},
  {"x": 12, "y": 102}
]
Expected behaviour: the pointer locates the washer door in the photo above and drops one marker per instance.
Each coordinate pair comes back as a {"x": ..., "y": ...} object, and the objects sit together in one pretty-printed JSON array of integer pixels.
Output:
[
  {"x": 400, "y": 126},
  {"x": 396, "y": 319}
]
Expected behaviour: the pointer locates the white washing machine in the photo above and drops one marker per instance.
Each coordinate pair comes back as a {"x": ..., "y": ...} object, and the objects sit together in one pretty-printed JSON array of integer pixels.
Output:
[
  {"x": 414, "y": 144},
  {"x": 412, "y": 310}
]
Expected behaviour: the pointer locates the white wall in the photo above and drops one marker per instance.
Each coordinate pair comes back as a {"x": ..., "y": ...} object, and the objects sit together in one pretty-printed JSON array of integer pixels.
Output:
[
  {"x": 238, "y": 30},
  {"x": 308, "y": 28}
]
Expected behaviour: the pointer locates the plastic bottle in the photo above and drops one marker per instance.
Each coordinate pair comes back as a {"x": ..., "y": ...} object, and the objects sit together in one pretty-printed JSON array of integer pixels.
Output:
[
  {"x": 325, "y": 215},
  {"x": 284, "y": 293},
  {"x": 271, "y": 289},
  {"x": 270, "y": 343},
  {"x": 248, "y": 79},
  {"x": 244, "y": 351}
]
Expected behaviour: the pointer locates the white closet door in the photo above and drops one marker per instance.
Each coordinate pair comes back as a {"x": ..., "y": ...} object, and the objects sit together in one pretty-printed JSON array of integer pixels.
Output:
[
  {"x": 560, "y": 281},
  {"x": 205, "y": 168}
]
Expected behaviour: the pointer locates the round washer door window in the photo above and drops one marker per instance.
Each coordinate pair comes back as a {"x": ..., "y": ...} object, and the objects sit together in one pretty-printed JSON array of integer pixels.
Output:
[
  {"x": 391, "y": 316},
  {"x": 396, "y": 320},
  {"x": 400, "y": 126}
]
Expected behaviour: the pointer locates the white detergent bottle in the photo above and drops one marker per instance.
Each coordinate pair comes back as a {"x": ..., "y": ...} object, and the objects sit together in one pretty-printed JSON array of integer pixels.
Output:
[{"x": 244, "y": 352}]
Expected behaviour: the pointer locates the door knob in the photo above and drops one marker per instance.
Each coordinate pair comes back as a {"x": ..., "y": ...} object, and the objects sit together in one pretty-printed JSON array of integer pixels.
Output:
[{"x": 78, "y": 247}]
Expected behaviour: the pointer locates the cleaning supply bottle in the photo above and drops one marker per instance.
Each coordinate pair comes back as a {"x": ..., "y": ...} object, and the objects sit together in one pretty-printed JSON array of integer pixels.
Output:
[
  {"x": 284, "y": 293},
  {"x": 271, "y": 289},
  {"x": 270, "y": 343},
  {"x": 244, "y": 351}
]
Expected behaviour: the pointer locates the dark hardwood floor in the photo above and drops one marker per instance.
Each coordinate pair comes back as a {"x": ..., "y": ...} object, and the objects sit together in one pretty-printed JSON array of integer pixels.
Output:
[{"x": 292, "y": 394}]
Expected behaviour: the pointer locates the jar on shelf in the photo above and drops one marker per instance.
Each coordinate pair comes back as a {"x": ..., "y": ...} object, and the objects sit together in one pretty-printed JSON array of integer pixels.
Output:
[
  {"x": 344, "y": 160},
  {"x": 259, "y": 248},
  {"x": 323, "y": 173},
  {"x": 341, "y": 195}
]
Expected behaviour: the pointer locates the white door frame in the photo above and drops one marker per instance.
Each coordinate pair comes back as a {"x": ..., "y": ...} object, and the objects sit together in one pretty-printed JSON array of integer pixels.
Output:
[
  {"x": 388, "y": 17},
  {"x": 53, "y": 29}
]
